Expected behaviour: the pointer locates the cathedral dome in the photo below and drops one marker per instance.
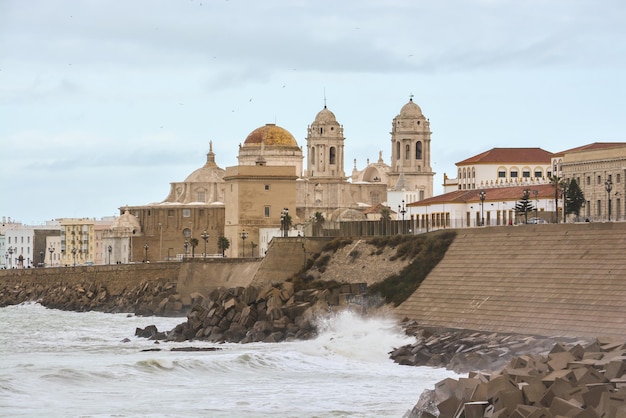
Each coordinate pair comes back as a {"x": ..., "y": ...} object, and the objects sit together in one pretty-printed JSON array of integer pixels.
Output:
[
  {"x": 325, "y": 116},
  {"x": 410, "y": 109},
  {"x": 209, "y": 172},
  {"x": 270, "y": 134}
]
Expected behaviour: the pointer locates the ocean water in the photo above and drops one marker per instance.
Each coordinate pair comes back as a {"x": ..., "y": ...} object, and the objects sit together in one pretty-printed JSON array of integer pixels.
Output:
[{"x": 68, "y": 364}]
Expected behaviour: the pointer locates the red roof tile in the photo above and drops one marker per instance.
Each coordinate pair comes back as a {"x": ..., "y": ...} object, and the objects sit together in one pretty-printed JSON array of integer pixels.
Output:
[
  {"x": 592, "y": 146},
  {"x": 493, "y": 194},
  {"x": 510, "y": 155}
]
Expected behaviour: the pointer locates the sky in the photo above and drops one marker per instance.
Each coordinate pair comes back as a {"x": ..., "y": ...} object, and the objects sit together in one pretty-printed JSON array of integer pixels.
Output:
[{"x": 105, "y": 103}]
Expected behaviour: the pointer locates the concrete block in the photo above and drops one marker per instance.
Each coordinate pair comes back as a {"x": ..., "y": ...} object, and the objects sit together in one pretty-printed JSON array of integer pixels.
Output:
[
  {"x": 508, "y": 399},
  {"x": 591, "y": 397},
  {"x": 449, "y": 407},
  {"x": 615, "y": 369},
  {"x": 533, "y": 392},
  {"x": 475, "y": 409},
  {"x": 566, "y": 408},
  {"x": 559, "y": 361},
  {"x": 499, "y": 384}
]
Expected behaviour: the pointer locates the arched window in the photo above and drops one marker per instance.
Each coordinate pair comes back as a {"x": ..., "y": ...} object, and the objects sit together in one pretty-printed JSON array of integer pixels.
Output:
[
  {"x": 418, "y": 150},
  {"x": 332, "y": 155},
  {"x": 397, "y": 150},
  {"x": 407, "y": 151},
  {"x": 312, "y": 155}
]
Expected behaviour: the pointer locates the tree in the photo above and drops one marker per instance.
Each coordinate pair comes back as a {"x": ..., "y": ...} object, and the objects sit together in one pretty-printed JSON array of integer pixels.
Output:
[
  {"x": 524, "y": 205},
  {"x": 385, "y": 214},
  {"x": 223, "y": 244},
  {"x": 575, "y": 198},
  {"x": 318, "y": 222},
  {"x": 194, "y": 243}
]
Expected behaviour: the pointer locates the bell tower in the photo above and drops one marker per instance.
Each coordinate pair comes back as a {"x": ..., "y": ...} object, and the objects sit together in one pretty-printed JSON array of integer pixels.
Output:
[
  {"x": 410, "y": 151},
  {"x": 325, "y": 153}
]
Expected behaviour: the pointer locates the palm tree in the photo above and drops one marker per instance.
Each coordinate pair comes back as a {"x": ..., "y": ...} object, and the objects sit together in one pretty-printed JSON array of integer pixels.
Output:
[
  {"x": 223, "y": 244},
  {"x": 318, "y": 223},
  {"x": 194, "y": 243}
]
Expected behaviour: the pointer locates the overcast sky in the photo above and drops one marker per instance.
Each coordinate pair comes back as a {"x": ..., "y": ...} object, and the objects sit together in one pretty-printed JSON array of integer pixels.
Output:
[{"x": 104, "y": 103}]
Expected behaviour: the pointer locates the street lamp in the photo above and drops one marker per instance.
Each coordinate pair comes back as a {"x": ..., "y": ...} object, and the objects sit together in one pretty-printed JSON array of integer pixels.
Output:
[
  {"x": 536, "y": 193},
  {"x": 51, "y": 251},
  {"x": 402, "y": 210},
  {"x": 284, "y": 217},
  {"x": 608, "y": 184},
  {"x": 109, "y": 249},
  {"x": 205, "y": 237},
  {"x": 41, "y": 259},
  {"x": 145, "y": 247},
  {"x": 244, "y": 235},
  {"x": 186, "y": 245},
  {"x": 482, "y": 195}
]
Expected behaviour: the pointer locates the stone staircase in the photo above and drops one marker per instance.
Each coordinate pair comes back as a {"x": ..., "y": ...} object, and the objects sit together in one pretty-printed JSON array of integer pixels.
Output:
[{"x": 549, "y": 280}]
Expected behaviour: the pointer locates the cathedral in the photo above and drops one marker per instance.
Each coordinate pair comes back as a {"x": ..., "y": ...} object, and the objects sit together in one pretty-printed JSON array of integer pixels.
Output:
[{"x": 248, "y": 203}]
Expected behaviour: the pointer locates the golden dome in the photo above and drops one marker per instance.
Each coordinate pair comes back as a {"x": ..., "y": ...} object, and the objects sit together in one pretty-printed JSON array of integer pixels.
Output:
[{"x": 270, "y": 134}]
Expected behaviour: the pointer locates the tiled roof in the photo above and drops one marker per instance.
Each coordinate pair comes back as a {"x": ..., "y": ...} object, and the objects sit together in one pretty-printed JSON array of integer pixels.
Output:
[
  {"x": 492, "y": 195},
  {"x": 510, "y": 155},
  {"x": 592, "y": 146},
  {"x": 376, "y": 209}
]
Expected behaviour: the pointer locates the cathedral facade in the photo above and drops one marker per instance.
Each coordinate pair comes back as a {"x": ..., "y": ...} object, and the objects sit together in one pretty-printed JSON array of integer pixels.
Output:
[{"x": 248, "y": 202}]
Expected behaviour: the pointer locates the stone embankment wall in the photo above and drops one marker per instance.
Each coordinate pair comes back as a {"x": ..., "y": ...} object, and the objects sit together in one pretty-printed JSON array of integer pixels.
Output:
[{"x": 550, "y": 280}]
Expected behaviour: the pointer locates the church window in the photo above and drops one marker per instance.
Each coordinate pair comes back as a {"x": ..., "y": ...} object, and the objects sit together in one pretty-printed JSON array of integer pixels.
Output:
[
  {"x": 170, "y": 212},
  {"x": 266, "y": 211},
  {"x": 375, "y": 198},
  {"x": 187, "y": 232},
  {"x": 398, "y": 150},
  {"x": 186, "y": 213},
  {"x": 418, "y": 122},
  {"x": 267, "y": 187},
  {"x": 321, "y": 130},
  {"x": 312, "y": 155},
  {"x": 407, "y": 151},
  {"x": 421, "y": 195},
  {"x": 418, "y": 150},
  {"x": 332, "y": 155},
  {"x": 201, "y": 196}
]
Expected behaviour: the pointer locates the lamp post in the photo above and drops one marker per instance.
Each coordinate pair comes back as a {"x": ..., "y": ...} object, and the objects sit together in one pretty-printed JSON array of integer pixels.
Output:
[
  {"x": 186, "y": 245},
  {"x": 482, "y": 195},
  {"x": 205, "y": 237},
  {"x": 244, "y": 235},
  {"x": 51, "y": 251},
  {"x": 109, "y": 249},
  {"x": 536, "y": 193},
  {"x": 145, "y": 247},
  {"x": 402, "y": 210},
  {"x": 284, "y": 217},
  {"x": 10, "y": 250},
  {"x": 41, "y": 258},
  {"x": 608, "y": 184}
]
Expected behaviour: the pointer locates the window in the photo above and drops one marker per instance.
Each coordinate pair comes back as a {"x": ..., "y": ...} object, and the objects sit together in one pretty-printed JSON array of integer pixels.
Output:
[
  {"x": 202, "y": 196},
  {"x": 170, "y": 212},
  {"x": 599, "y": 179},
  {"x": 312, "y": 155},
  {"x": 267, "y": 187},
  {"x": 618, "y": 178},
  {"x": 187, "y": 232},
  {"x": 526, "y": 173},
  {"x": 538, "y": 174},
  {"x": 201, "y": 212},
  {"x": 407, "y": 151},
  {"x": 186, "y": 213},
  {"x": 599, "y": 207},
  {"x": 397, "y": 150},
  {"x": 513, "y": 174},
  {"x": 588, "y": 180},
  {"x": 332, "y": 155},
  {"x": 421, "y": 195},
  {"x": 418, "y": 150},
  {"x": 501, "y": 174},
  {"x": 266, "y": 211}
]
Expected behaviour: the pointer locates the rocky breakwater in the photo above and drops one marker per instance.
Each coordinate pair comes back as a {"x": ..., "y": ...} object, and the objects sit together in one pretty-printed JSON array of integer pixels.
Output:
[
  {"x": 577, "y": 382},
  {"x": 272, "y": 313},
  {"x": 154, "y": 297}
]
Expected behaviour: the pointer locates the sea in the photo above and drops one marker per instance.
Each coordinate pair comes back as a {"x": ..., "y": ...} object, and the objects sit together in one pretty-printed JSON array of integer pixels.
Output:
[{"x": 68, "y": 364}]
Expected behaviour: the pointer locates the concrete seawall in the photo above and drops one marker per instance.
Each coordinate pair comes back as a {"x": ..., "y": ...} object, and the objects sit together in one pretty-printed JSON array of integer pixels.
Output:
[{"x": 550, "y": 280}]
